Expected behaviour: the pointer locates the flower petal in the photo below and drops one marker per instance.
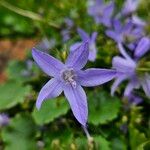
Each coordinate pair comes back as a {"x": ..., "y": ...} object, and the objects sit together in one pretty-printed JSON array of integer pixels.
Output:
[
  {"x": 115, "y": 36},
  {"x": 47, "y": 63},
  {"x": 143, "y": 47},
  {"x": 117, "y": 82},
  {"x": 75, "y": 46},
  {"x": 78, "y": 58},
  {"x": 94, "y": 77},
  {"x": 122, "y": 65},
  {"x": 84, "y": 36},
  {"x": 78, "y": 102},
  {"x": 51, "y": 89},
  {"x": 133, "y": 84}
]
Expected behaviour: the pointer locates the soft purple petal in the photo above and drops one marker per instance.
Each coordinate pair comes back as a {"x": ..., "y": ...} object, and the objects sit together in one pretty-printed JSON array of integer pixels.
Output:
[
  {"x": 84, "y": 36},
  {"x": 47, "y": 63},
  {"x": 93, "y": 37},
  {"x": 117, "y": 82},
  {"x": 127, "y": 27},
  {"x": 117, "y": 25},
  {"x": 115, "y": 36},
  {"x": 108, "y": 11},
  {"x": 99, "y": 2},
  {"x": 138, "y": 21},
  {"x": 124, "y": 65},
  {"x": 51, "y": 89},
  {"x": 75, "y": 46},
  {"x": 92, "y": 54},
  {"x": 133, "y": 84},
  {"x": 94, "y": 77},
  {"x": 78, "y": 58},
  {"x": 123, "y": 52},
  {"x": 143, "y": 47},
  {"x": 146, "y": 85},
  {"x": 78, "y": 102}
]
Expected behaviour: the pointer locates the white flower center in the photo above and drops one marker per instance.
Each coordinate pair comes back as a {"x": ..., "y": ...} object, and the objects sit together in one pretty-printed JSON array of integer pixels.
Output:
[{"x": 68, "y": 76}]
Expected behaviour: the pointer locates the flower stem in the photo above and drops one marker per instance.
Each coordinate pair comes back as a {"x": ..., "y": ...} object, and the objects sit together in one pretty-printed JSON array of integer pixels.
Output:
[
  {"x": 143, "y": 69},
  {"x": 26, "y": 13}
]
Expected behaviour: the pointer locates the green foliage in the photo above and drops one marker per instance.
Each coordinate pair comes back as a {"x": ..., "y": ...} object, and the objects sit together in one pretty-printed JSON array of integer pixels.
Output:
[
  {"x": 50, "y": 110},
  {"x": 12, "y": 93},
  {"x": 99, "y": 143},
  {"x": 136, "y": 137},
  {"x": 20, "y": 134},
  {"x": 102, "y": 107}
]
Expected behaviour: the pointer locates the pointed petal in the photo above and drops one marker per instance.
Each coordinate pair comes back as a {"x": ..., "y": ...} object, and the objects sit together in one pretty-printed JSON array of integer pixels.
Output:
[
  {"x": 95, "y": 77},
  {"x": 84, "y": 36},
  {"x": 117, "y": 25},
  {"x": 78, "y": 58},
  {"x": 93, "y": 37},
  {"x": 47, "y": 63},
  {"x": 78, "y": 102},
  {"x": 109, "y": 10},
  {"x": 75, "y": 46},
  {"x": 92, "y": 54},
  {"x": 143, "y": 47},
  {"x": 117, "y": 82},
  {"x": 133, "y": 84},
  {"x": 51, "y": 89},
  {"x": 115, "y": 36}
]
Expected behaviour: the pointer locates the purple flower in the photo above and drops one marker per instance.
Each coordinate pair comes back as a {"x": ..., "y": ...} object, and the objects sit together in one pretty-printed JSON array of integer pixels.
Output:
[
  {"x": 102, "y": 12},
  {"x": 66, "y": 32},
  {"x": 4, "y": 119},
  {"x": 134, "y": 99},
  {"x": 127, "y": 69},
  {"x": 130, "y": 6},
  {"x": 126, "y": 33},
  {"x": 69, "y": 78},
  {"x": 92, "y": 46},
  {"x": 46, "y": 44}
]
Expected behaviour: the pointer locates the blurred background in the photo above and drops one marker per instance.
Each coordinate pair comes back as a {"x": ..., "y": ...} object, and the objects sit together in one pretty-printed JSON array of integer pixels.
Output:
[{"x": 50, "y": 26}]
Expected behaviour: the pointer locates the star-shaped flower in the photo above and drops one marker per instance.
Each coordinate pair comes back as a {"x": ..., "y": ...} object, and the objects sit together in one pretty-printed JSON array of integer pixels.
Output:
[
  {"x": 124, "y": 33},
  {"x": 128, "y": 68},
  {"x": 69, "y": 78},
  {"x": 92, "y": 46},
  {"x": 102, "y": 12}
]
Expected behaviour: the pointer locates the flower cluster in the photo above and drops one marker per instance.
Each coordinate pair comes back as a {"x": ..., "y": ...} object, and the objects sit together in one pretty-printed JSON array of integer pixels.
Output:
[{"x": 127, "y": 30}]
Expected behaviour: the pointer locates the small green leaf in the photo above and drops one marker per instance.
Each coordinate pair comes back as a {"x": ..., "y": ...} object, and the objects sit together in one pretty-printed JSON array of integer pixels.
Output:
[
  {"x": 144, "y": 146},
  {"x": 102, "y": 107},
  {"x": 12, "y": 93},
  {"x": 58, "y": 136},
  {"x": 99, "y": 143},
  {"x": 50, "y": 110},
  {"x": 20, "y": 134},
  {"x": 136, "y": 137}
]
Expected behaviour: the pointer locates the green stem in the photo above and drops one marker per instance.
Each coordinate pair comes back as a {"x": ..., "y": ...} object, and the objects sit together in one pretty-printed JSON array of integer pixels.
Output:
[
  {"x": 26, "y": 13},
  {"x": 143, "y": 69}
]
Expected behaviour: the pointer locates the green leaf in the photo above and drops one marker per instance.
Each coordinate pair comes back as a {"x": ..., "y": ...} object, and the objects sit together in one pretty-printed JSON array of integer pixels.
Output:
[
  {"x": 144, "y": 146},
  {"x": 102, "y": 107},
  {"x": 15, "y": 69},
  {"x": 50, "y": 110},
  {"x": 58, "y": 136},
  {"x": 136, "y": 137},
  {"x": 99, "y": 143},
  {"x": 20, "y": 134},
  {"x": 12, "y": 93}
]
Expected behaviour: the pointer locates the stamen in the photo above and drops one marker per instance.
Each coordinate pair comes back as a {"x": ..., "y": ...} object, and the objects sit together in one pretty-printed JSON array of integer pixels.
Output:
[{"x": 68, "y": 76}]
